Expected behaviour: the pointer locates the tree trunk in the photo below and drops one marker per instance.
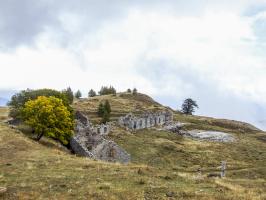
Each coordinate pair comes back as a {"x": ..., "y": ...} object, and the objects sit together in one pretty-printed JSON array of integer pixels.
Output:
[{"x": 39, "y": 136}]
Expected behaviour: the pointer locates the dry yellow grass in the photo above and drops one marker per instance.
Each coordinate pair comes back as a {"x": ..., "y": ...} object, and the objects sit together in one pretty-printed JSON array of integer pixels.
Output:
[
  {"x": 162, "y": 163},
  {"x": 121, "y": 104}
]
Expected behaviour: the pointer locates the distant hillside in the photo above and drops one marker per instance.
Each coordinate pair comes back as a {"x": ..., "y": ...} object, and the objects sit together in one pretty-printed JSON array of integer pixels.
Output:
[{"x": 123, "y": 103}]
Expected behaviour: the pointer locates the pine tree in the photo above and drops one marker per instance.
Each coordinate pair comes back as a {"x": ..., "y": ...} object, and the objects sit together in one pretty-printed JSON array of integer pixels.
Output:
[
  {"x": 107, "y": 106},
  {"x": 69, "y": 94},
  {"x": 78, "y": 94},
  {"x": 189, "y": 105},
  {"x": 135, "y": 91},
  {"x": 104, "y": 111},
  {"x": 100, "y": 110},
  {"x": 92, "y": 93}
]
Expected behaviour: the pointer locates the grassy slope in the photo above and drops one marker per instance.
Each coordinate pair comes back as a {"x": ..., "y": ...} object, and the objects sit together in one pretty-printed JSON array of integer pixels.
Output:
[
  {"x": 121, "y": 105},
  {"x": 161, "y": 162}
]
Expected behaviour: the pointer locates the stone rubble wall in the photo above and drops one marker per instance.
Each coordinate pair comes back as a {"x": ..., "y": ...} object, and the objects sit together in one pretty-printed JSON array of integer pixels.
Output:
[
  {"x": 90, "y": 143},
  {"x": 111, "y": 152},
  {"x": 145, "y": 121},
  {"x": 102, "y": 129},
  {"x": 79, "y": 149}
]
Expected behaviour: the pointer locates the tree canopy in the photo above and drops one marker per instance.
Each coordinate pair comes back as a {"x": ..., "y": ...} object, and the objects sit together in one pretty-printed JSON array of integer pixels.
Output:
[
  {"x": 107, "y": 90},
  {"x": 92, "y": 93},
  {"x": 189, "y": 105},
  {"x": 135, "y": 91},
  {"x": 78, "y": 94},
  {"x": 69, "y": 94},
  {"x": 18, "y": 100},
  {"x": 48, "y": 116},
  {"x": 104, "y": 111}
]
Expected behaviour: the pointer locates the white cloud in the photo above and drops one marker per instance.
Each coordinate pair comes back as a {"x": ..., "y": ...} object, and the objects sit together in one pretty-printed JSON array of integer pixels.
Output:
[{"x": 152, "y": 48}]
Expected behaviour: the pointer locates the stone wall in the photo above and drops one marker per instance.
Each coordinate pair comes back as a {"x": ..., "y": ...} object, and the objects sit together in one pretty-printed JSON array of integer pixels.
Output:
[
  {"x": 146, "y": 120},
  {"x": 101, "y": 129},
  {"x": 91, "y": 143}
]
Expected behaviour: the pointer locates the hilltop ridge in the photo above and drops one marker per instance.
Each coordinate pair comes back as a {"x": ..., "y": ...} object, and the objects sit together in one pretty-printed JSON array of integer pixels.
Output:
[{"x": 124, "y": 103}]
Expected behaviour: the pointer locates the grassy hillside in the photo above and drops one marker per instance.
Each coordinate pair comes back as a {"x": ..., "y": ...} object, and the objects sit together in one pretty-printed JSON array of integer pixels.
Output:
[
  {"x": 163, "y": 164},
  {"x": 121, "y": 104}
]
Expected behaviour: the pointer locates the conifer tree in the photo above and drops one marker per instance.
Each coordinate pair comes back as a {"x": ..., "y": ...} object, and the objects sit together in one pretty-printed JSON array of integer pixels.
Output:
[
  {"x": 78, "y": 94},
  {"x": 92, "y": 93}
]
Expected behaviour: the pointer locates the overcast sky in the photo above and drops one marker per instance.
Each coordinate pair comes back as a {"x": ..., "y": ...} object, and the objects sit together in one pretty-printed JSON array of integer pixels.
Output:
[{"x": 211, "y": 50}]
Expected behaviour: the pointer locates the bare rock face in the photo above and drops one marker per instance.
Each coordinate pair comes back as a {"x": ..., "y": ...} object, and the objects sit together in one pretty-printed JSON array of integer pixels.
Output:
[
  {"x": 89, "y": 143},
  {"x": 215, "y": 136}
]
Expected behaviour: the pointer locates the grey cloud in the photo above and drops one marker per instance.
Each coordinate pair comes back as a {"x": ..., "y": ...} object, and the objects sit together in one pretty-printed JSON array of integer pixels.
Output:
[{"x": 21, "y": 21}]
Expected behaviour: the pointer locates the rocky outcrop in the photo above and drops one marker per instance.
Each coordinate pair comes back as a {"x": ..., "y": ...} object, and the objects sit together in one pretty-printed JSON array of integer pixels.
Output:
[
  {"x": 174, "y": 127},
  {"x": 90, "y": 143},
  {"x": 215, "y": 136}
]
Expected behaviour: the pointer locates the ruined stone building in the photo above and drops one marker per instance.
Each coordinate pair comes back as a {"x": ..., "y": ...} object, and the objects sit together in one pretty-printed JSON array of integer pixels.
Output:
[
  {"x": 101, "y": 129},
  {"x": 146, "y": 120},
  {"x": 89, "y": 141}
]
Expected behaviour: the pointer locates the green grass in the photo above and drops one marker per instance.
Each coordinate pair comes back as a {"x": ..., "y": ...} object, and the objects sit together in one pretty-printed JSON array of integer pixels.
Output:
[{"x": 162, "y": 162}]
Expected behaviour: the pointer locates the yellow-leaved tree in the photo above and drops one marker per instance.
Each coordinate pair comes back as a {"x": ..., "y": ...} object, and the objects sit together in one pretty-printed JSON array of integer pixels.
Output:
[{"x": 48, "y": 116}]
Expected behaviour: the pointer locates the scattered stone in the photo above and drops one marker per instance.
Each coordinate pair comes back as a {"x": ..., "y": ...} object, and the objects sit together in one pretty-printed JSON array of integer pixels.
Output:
[
  {"x": 174, "y": 127},
  {"x": 170, "y": 194}
]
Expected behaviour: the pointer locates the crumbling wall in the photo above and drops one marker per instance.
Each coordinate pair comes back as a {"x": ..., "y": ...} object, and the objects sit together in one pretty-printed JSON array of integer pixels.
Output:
[
  {"x": 146, "y": 121},
  {"x": 90, "y": 143}
]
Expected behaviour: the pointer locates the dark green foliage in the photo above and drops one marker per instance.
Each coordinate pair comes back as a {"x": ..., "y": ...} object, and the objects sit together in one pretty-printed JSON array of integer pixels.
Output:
[
  {"x": 135, "y": 91},
  {"x": 107, "y": 90},
  {"x": 107, "y": 106},
  {"x": 106, "y": 117},
  {"x": 78, "y": 94},
  {"x": 129, "y": 90},
  {"x": 104, "y": 111},
  {"x": 92, "y": 93},
  {"x": 189, "y": 105},
  {"x": 69, "y": 94},
  {"x": 18, "y": 100},
  {"x": 100, "y": 110}
]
